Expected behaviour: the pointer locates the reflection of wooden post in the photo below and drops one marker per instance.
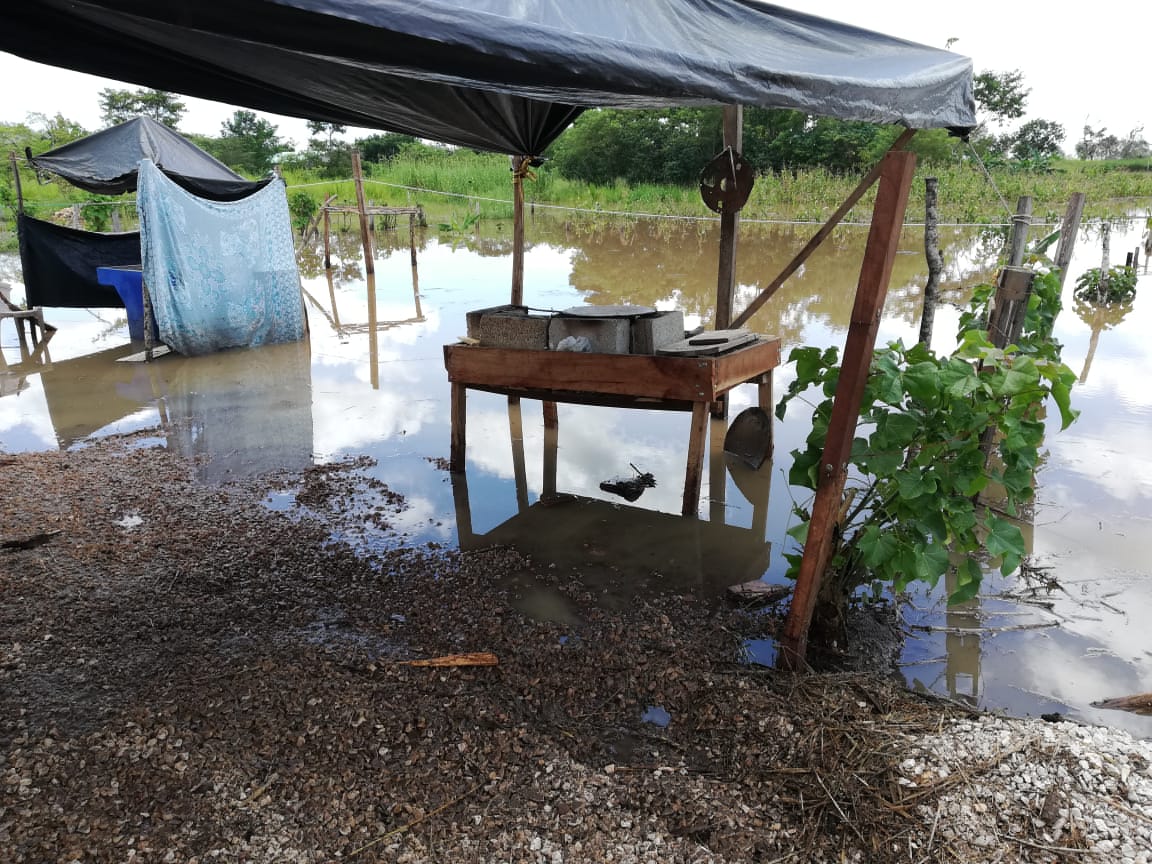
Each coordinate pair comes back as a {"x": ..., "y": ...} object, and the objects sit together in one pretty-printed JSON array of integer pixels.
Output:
[
  {"x": 327, "y": 238},
  {"x": 933, "y": 257},
  {"x": 332, "y": 297},
  {"x": 519, "y": 471},
  {"x": 373, "y": 336},
  {"x": 1069, "y": 228},
  {"x": 717, "y": 472},
  {"x": 362, "y": 209},
  {"x": 463, "y": 510},
  {"x": 16, "y": 181},
  {"x": 551, "y": 444},
  {"x": 519, "y": 164},
  {"x": 875, "y": 274},
  {"x": 459, "y": 427}
]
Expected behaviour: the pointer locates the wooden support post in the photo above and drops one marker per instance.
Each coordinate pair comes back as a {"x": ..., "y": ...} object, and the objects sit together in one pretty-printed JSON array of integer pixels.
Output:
[
  {"x": 1069, "y": 228},
  {"x": 1021, "y": 222},
  {"x": 695, "y": 469},
  {"x": 75, "y": 221},
  {"x": 459, "y": 427},
  {"x": 116, "y": 220},
  {"x": 327, "y": 239},
  {"x": 361, "y": 208},
  {"x": 729, "y": 223},
  {"x": 934, "y": 258},
  {"x": 717, "y": 472},
  {"x": 147, "y": 300},
  {"x": 16, "y": 181},
  {"x": 412, "y": 252},
  {"x": 879, "y": 255},
  {"x": 551, "y": 445},
  {"x": 821, "y": 235},
  {"x": 1105, "y": 259},
  {"x": 519, "y": 164},
  {"x": 373, "y": 335}
]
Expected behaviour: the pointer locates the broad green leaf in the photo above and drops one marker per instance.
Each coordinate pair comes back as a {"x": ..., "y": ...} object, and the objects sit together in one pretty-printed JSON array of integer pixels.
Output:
[{"x": 1004, "y": 541}]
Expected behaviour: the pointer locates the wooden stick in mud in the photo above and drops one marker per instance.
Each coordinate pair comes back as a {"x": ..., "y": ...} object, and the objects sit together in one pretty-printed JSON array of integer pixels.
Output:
[{"x": 481, "y": 658}]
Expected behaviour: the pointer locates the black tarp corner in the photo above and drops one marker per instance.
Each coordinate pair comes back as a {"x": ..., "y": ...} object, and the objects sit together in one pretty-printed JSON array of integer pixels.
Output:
[
  {"x": 106, "y": 162},
  {"x": 60, "y": 263}
]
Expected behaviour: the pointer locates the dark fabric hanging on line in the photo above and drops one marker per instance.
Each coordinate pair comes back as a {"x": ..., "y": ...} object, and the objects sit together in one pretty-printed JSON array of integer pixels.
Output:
[{"x": 59, "y": 263}]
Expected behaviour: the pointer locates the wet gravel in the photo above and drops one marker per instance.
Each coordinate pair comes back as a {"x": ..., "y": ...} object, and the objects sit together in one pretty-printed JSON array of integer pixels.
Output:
[{"x": 186, "y": 675}]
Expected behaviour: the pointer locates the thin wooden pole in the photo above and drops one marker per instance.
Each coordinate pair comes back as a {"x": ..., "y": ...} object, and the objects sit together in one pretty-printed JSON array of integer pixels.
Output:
[
  {"x": 415, "y": 273},
  {"x": 146, "y": 298},
  {"x": 695, "y": 466},
  {"x": 883, "y": 240},
  {"x": 459, "y": 413},
  {"x": 373, "y": 335},
  {"x": 821, "y": 235},
  {"x": 519, "y": 469},
  {"x": 1069, "y": 229},
  {"x": 16, "y": 181},
  {"x": 519, "y": 163},
  {"x": 729, "y": 223},
  {"x": 1021, "y": 222},
  {"x": 551, "y": 445},
  {"x": 933, "y": 257},
  {"x": 362, "y": 209},
  {"x": 327, "y": 238}
]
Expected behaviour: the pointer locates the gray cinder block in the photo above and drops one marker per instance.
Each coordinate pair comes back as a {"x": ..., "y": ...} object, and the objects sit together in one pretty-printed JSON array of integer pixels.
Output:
[
  {"x": 655, "y": 331},
  {"x": 514, "y": 330},
  {"x": 475, "y": 315},
  {"x": 607, "y": 335}
]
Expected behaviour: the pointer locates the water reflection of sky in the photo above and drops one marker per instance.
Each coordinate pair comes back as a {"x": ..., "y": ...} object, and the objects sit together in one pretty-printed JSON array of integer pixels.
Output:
[{"x": 341, "y": 399}]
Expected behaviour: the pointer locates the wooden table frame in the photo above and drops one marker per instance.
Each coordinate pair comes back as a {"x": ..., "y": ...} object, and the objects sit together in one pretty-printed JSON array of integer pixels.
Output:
[{"x": 618, "y": 380}]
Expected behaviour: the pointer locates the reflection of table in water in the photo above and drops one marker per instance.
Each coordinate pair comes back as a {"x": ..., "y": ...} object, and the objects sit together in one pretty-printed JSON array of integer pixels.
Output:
[{"x": 619, "y": 380}]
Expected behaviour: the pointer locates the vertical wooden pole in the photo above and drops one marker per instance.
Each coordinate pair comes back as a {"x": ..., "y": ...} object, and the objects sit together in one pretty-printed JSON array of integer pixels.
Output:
[
  {"x": 518, "y": 165},
  {"x": 1069, "y": 228},
  {"x": 1105, "y": 259},
  {"x": 361, "y": 207},
  {"x": 717, "y": 472},
  {"x": 327, "y": 238},
  {"x": 1021, "y": 222},
  {"x": 415, "y": 274},
  {"x": 875, "y": 274},
  {"x": 147, "y": 301},
  {"x": 729, "y": 223},
  {"x": 116, "y": 220},
  {"x": 16, "y": 181},
  {"x": 76, "y": 216},
  {"x": 332, "y": 297},
  {"x": 934, "y": 258},
  {"x": 519, "y": 469},
  {"x": 373, "y": 335}
]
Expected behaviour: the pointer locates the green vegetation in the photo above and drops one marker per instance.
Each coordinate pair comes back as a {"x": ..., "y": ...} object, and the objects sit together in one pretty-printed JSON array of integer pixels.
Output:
[
  {"x": 1118, "y": 285},
  {"x": 918, "y": 465}
]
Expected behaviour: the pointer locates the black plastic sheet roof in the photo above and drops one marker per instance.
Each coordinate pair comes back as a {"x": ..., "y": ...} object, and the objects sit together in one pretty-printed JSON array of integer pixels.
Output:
[
  {"x": 505, "y": 75},
  {"x": 106, "y": 162}
]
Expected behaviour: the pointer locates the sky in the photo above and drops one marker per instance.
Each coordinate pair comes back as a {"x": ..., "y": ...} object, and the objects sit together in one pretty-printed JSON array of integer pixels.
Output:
[{"x": 1083, "y": 67}]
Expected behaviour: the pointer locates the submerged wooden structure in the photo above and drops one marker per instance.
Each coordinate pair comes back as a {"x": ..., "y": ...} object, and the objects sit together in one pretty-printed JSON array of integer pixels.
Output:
[{"x": 510, "y": 77}]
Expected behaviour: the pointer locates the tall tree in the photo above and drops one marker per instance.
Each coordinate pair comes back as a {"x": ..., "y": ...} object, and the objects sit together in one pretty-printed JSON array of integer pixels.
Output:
[
  {"x": 1001, "y": 95},
  {"x": 56, "y": 131},
  {"x": 117, "y": 106},
  {"x": 328, "y": 130},
  {"x": 1038, "y": 138},
  {"x": 248, "y": 143}
]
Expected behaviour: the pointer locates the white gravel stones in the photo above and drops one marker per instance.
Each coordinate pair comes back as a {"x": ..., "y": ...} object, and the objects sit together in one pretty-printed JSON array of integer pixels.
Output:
[{"x": 1029, "y": 784}]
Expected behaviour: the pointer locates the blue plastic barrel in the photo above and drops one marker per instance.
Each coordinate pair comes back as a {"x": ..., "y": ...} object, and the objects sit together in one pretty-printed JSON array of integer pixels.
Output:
[{"x": 129, "y": 284}]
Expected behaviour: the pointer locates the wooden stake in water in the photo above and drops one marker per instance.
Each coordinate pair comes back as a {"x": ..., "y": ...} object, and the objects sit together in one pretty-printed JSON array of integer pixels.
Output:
[{"x": 934, "y": 258}]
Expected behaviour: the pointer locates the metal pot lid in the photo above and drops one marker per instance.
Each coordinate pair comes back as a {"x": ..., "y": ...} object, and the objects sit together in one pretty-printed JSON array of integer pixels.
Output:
[{"x": 623, "y": 311}]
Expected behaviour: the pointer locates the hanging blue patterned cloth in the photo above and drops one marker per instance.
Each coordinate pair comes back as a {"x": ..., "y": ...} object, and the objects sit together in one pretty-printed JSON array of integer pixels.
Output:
[{"x": 220, "y": 274}]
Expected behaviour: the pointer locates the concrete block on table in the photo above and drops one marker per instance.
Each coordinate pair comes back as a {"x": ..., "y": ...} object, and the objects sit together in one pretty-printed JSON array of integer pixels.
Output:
[
  {"x": 655, "y": 331},
  {"x": 517, "y": 330},
  {"x": 475, "y": 315},
  {"x": 607, "y": 335}
]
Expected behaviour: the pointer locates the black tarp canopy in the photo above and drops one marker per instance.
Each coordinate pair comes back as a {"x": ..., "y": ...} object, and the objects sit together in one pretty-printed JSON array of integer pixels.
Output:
[
  {"x": 105, "y": 162},
  {"x": 504, "y": 75}
]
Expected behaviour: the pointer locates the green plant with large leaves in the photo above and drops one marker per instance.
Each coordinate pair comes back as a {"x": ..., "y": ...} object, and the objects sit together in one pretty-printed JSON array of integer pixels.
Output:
[{"x": 911, "y": 510}]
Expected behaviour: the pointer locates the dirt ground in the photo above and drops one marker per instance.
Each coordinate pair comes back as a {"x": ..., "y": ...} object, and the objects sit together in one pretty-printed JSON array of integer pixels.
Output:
[{"x": 186, "y": 675}]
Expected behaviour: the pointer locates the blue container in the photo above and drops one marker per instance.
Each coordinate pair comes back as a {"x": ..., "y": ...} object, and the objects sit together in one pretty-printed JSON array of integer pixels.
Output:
[{"x": 129, "y": 284}]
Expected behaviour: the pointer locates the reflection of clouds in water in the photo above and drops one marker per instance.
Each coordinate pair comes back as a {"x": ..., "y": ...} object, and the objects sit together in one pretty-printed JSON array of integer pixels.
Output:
[
  {"x": 421, "y": 514},
  {"x": 1110, "y": 464},
  {"x": 348, "y": 414},
  {"x": 25, "y": 424}
]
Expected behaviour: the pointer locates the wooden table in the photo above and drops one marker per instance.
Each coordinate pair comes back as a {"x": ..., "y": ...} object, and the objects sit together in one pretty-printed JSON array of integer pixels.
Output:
[{"x": 617, "y": 380}]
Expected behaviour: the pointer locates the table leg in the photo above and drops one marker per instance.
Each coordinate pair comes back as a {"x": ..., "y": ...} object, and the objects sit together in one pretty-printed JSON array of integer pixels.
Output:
[
  {"x": 516, "y": 430},
  {"x": 764, "y": 394},
  {"x": 551, "y": 443},
  {"x": 459, "y": 425},
  {"x": 695, "y": 469}
]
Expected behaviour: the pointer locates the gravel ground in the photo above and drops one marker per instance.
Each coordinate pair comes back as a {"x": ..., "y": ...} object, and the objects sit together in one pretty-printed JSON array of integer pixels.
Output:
[{"x": 188, "y": 676}]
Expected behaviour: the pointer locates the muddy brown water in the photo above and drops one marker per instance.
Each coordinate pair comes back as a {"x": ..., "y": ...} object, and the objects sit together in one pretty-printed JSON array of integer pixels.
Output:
[{"x": 1076, "y": 630}]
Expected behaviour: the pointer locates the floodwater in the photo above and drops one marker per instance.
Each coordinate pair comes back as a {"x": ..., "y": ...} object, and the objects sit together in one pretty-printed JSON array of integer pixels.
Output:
[{"x": 371, "y": 381}]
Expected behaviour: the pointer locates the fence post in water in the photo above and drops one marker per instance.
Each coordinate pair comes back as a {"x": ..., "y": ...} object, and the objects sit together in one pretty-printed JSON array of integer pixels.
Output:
[
  {"x": 327, "y": 238},
  {"x": 365, "y": 237},
  {"x": 76, "y": 216},
  {"x": 1069, "y": 228},
  {"x": 412, "y": 252},
  {"x": 934, "y": 258},
  {"x": 1105, "y": 262},
  {"x": 1020, "y": 225}
]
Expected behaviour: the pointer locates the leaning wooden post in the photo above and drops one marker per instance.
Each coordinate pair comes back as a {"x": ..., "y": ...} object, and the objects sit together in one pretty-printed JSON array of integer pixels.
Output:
[
  {"x": 361, "y": 207},
  {"x": 519, "y": 169},
  {"x": 934, "y": 258},
  {"x": 16, "y": 181},
  {"x": 1069, "y": 228},
  {"x": 875, "y": 273},
  {"x": 412, "y": 252},
  {"x": 327, "y": 238}
]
